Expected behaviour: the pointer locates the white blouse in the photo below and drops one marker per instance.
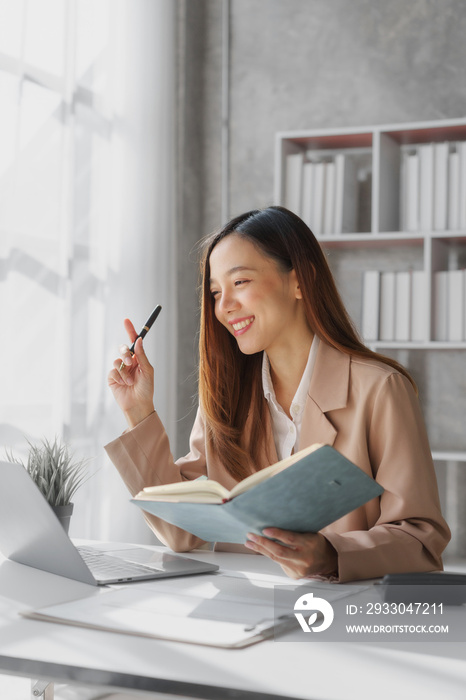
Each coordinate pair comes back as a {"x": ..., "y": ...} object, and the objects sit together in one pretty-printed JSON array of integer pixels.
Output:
[{"x": 286, "y": 431}]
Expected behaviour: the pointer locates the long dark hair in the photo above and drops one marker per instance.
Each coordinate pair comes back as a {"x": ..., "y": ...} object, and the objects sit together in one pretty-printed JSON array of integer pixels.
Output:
[{"x": 230, "y": 384}]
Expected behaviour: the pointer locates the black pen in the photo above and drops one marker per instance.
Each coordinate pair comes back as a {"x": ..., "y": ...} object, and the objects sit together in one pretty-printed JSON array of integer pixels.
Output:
[{"x": 147, "y": 326}]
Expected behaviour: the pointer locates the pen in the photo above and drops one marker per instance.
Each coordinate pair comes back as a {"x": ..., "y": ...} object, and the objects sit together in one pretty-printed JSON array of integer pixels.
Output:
[{"x": 145, "y": 329}]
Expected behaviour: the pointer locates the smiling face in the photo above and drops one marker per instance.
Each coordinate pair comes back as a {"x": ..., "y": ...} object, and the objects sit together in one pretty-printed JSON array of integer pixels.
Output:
[{"x": 254, "y": 299}]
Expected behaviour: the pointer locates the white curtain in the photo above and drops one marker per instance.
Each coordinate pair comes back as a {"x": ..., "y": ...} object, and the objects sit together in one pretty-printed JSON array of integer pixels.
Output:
[{"x": 87, "y": 227}]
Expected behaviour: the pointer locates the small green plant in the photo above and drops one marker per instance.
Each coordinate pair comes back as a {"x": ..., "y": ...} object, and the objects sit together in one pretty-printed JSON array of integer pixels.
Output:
[{"x": 54, "y": 471}]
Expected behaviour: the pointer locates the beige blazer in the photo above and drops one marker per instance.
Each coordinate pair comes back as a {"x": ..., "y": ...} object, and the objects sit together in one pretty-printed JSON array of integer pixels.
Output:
[{"x": 370, "y": 413}]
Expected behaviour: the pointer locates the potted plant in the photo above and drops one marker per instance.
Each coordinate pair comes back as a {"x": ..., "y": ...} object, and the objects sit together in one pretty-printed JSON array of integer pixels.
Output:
[{"x": 57, "y": 475}]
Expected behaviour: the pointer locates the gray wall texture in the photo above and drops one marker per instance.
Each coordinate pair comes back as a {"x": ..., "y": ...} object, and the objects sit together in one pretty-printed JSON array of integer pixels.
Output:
[{"x": 298, "y": 64}]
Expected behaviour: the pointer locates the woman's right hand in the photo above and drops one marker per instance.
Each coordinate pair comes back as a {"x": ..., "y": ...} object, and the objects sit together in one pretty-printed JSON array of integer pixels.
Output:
[{"x": 132, "y": 384}]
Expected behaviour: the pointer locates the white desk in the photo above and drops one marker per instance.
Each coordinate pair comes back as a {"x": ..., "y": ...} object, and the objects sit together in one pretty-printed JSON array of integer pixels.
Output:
[{"x": 268, "y": 670}]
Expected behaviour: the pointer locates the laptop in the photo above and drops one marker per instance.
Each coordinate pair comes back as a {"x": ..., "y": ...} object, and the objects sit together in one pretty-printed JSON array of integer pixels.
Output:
[{"x": 31, "y": 534}]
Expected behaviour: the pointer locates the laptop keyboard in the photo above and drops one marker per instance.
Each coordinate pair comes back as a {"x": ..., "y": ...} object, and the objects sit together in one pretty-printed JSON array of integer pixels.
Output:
[{"x": 106, "y": 567}]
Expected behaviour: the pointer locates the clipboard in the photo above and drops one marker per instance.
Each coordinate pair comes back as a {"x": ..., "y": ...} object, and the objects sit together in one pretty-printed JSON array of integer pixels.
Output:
[{"x": 228, "y": 611}]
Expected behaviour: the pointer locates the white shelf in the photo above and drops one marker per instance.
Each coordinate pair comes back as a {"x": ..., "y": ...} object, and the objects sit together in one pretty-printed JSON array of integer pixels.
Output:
[
  {"x": 410, "y": 345},
  {"x": 446, "y": 456},
  {"x": 441, "y": 127},
  {"x": 393, "y": 237},
  {"x": 377, "y": 157}
]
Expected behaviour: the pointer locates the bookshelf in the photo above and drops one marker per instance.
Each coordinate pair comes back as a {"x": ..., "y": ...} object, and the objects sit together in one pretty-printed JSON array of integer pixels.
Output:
[{"x": 395, "y": 206}]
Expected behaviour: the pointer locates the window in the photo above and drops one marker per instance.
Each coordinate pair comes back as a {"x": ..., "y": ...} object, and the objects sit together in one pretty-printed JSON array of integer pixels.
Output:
[{"x": 70, "y": 192}]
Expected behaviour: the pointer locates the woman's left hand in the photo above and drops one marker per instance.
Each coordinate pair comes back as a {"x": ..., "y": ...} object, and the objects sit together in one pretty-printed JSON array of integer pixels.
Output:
[{"x": 305, "y": 554}]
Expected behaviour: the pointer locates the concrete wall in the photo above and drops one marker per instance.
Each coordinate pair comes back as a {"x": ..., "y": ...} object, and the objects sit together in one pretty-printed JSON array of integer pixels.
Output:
[{"x": 299, "y": 64}]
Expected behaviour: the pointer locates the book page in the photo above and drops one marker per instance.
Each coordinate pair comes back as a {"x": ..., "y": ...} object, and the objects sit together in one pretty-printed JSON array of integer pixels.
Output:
[
  {"x": 268, "y": 472},
  {"x": 204, "y": 490},
  {"x": 195, "y": 491}
]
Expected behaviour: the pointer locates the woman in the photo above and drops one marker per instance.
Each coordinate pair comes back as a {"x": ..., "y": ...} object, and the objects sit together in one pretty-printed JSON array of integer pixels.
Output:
[{"x": 280, "y": 368}]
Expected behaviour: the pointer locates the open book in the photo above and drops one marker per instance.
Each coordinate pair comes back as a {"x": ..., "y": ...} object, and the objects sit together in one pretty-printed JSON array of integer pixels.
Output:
[
  {"x": 302, "y": 493},
  {"x": 204, "y": 490}
]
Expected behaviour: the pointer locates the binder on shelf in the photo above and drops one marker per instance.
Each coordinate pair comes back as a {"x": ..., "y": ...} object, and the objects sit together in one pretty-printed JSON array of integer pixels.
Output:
[
  {"x": 412, "y": 192},
  {"x": 419, "y": 306},
  {"x": 370, "y": 304},
  {"x": 329, "y": 200},
  {"x": 440, "y": 185},
  {"x": 319, "y": 194},
  {"x": 453, "y": 190},
  {"x": 293, "y": 182},
  {"x": 402, "y": 305},
  {"x": 464, "y": 306},
  {"x": 402, "y": 194},
  {"x": 456, "y": 300},
  {"x": 346, "y": 194},
  {"x": 387, "y": 305},
  {"x": 440, "y": 305},
  {"x": 461, "y": 148},
  {"x": 426, "y": 186},
  {"x": 307, "y": 207}
]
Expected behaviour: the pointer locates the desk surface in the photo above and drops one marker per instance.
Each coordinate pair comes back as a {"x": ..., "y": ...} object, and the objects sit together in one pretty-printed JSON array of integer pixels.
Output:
[{"x": 271, "y": 669}]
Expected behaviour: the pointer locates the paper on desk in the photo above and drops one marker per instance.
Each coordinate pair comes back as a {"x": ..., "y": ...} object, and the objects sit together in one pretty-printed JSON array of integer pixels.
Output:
[{"x": 216, "y": 610}]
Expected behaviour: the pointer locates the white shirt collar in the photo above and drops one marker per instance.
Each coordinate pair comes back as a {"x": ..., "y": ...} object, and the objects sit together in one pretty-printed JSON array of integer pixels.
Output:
[
  {"x": 301, "y": 393},
  {"x": 286, "y": 432}
]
